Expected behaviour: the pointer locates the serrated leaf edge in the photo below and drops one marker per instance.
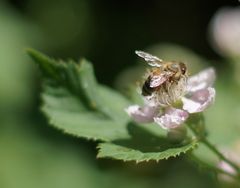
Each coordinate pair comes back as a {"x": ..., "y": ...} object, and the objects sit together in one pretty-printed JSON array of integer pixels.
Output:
[{"x": 194, "y": 145}]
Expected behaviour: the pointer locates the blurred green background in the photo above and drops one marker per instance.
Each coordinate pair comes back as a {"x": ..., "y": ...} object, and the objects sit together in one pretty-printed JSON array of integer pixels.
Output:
[{"x": 33, "y": 154}]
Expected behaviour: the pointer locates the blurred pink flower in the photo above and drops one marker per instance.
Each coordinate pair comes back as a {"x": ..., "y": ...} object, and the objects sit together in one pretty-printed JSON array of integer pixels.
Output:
[
  {"x": 199, "y": 95},
  {"x": 232, "y": 154},
  {"x": 225, "y": 31}
]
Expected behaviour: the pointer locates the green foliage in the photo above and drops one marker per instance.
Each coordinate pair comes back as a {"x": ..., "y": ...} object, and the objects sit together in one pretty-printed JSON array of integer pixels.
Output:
[
  {"x": 125, "y": 153},
  {"x": 69, "y": 114},
  {"x": 75, "y": 103},
  {"x": 34, "y": 159},
  {"x": 15, "y": 83}
]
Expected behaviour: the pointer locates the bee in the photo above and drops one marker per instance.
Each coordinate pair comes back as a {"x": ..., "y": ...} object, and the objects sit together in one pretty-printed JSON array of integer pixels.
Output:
[{"x": 167, "y": 79}]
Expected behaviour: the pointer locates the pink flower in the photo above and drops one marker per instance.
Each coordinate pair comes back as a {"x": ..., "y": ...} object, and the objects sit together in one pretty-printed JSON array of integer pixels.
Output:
[
  {"x": 225, "y": 31},
  {"x": 198, "y": 96},
  {"x": 232, "y": 154},
  {"x": 227, "y": 168}
]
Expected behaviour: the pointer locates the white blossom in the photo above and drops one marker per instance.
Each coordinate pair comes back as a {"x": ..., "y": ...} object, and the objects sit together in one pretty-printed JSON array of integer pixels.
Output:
[{"x": 199, "y": 95}]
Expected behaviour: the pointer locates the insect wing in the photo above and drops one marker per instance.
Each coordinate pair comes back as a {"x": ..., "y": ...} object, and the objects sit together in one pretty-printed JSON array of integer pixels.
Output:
[
  {"x": 157, "y": 80},
  {"x": 152, "y": 60}
]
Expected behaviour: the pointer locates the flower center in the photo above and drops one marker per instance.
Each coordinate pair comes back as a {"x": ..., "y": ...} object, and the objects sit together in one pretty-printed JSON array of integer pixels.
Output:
[{"x": 169, "y": 93}]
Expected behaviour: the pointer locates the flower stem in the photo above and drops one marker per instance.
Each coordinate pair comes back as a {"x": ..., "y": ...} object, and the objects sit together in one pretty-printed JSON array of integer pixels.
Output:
[
  {"x": 203, "y": 164},
  {"x": 219, "y": 154},
  {"x": 211, "y": 147}
]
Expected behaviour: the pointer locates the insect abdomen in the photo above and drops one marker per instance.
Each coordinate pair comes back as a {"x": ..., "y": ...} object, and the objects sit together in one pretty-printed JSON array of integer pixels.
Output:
[{"x": 146, "y": 89}]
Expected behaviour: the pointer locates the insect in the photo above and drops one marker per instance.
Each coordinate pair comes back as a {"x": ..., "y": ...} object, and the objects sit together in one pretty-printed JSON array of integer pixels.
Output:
[{"x": 167, "y": 78}]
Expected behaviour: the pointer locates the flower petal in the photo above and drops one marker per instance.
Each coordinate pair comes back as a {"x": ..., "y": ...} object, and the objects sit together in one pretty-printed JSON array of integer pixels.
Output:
[
  {"x": 202, "y": 80},
  {"x": 173, "y": 118},
  {"x": 143, "y": 114},
  {"x": 199, "y": 100},
  {"x": 227, "y": 168},
  {"x": 232, "y": 155}
]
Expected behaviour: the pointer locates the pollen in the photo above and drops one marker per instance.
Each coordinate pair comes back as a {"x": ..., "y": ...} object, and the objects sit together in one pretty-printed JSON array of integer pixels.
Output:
[{"x": 169, "y": 92}]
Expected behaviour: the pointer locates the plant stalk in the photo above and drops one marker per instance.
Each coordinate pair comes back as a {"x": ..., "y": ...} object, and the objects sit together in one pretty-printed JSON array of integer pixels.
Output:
[{"x": 211, "y": 147}]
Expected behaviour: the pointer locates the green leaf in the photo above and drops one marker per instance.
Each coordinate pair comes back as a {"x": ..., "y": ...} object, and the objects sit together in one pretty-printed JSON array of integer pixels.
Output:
[
  {"x": 74, "y": 102},
  {"x": 67, "y": 113},
  {"x": 25, "y": 153},
  {"x": 125, "y": 153},
  {"x": 143, "y": 146}
]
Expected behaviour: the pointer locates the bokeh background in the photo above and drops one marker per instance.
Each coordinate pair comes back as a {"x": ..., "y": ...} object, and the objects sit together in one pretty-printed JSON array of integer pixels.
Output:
[{"x": 33, "y": 154}]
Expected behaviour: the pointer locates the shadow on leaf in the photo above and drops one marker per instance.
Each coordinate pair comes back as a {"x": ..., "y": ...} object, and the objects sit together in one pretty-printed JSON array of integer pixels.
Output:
[{"x": 145, "y": 141}]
